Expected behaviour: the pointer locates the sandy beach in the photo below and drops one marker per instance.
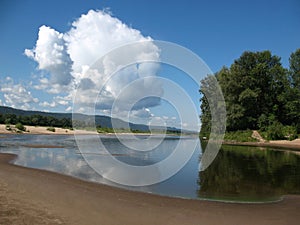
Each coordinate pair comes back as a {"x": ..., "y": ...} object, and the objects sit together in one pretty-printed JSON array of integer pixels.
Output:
[
  {"x": 30, "y": 196},
  {"x": 43, "y": 130}
]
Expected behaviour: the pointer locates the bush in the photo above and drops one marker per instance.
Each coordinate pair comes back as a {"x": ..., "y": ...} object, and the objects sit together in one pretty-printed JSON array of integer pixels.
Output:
[
  {"x": 7, "y": 127},
  {"x": 52, "y": 129},
  {"x": 20, "y": 127},
  {"x": 265, "y": 121},
  {"x": 240, "y": 136},
  {"x": 290, "y": 132},
  {"x": 275, "y": 131}
]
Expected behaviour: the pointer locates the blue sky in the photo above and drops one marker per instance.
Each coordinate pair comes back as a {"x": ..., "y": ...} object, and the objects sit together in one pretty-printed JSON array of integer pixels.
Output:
[{"x": 217, "y": 31}]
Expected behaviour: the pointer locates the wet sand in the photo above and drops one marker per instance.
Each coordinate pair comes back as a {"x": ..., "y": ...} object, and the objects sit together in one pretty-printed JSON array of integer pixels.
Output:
[{"x": 30, "y": 196}]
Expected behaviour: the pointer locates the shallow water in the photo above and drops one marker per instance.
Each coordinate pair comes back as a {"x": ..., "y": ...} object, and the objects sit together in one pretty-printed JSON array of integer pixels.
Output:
[{"x": 238, "y": 173}]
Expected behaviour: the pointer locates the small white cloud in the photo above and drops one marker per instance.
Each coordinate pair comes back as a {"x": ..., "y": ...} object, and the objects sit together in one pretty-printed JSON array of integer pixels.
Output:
[
  {"x": 47, "y": 104},
  {"x": 44, "y": 84},
  {"x": 29, "y": 53},
  {"x": 157, "y": 121},
  {"x": 62, "y": 100},
  {"x": 16, "y": 95},
  {"x": 142, "y": 113}
]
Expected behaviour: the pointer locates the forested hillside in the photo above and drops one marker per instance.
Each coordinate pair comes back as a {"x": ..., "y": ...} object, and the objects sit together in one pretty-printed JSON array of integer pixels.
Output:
[{"x": 10, "y": 115}]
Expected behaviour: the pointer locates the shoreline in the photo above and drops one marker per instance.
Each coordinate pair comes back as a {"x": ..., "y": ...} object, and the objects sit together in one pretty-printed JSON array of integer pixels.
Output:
[
  {"x": 280, "y": 144},
  {"x": 38, "y": 130},
  {"x": 44, "y": 197}
]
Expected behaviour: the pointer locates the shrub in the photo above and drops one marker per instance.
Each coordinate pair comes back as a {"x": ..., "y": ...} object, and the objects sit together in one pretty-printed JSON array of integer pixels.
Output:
[
  {"x": 290, "y": 132},
  {"x": 275, "y": 131},
  {"x": 20, "y": 127},
  {"x": 265, "y": 121},
  {"x": 7, "y": 127},
  {"x": 52, "y": 129},
  {"x": 240, "y": 136}
]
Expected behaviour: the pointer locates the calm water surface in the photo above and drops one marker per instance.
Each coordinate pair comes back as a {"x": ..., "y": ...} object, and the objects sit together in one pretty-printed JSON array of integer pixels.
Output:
[{"x": 238, "y": 173}]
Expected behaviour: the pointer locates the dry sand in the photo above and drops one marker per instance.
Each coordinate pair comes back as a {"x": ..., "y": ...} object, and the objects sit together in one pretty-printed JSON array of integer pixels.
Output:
[
  {"x": 43, "y": 130},
  {"x": 29, "y": 196}
]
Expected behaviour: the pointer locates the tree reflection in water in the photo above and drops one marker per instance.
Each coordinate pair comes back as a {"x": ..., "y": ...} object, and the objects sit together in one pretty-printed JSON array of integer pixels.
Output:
[{"x": 250, "y": 174}]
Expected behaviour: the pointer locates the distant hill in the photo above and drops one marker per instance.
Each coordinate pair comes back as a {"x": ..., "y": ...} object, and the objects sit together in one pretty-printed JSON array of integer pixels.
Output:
[{"x": 103, "y": 121}]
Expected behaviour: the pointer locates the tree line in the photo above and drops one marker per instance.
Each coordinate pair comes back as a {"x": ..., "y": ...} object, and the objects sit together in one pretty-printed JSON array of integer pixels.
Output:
[
  {"x": 260, "y": 94},
  {"x": 35, "y": 120}
]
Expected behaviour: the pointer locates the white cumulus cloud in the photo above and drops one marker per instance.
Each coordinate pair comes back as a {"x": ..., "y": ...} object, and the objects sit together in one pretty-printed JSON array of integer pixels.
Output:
[
  {"x": 69, "y": 58},
  {"x": 51, "y": 55}
]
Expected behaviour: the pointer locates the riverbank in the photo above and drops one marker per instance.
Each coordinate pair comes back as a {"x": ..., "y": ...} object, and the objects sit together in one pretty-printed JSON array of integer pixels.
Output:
[
  {"x": 260, "y": 142},
  {"x": 30, "y": 196},
  {"x": 291, "y": 145},
  {"x": 65, "y": 131},
  {"x": 42, "y": 130},
  {"x": 253, "y": 138}
]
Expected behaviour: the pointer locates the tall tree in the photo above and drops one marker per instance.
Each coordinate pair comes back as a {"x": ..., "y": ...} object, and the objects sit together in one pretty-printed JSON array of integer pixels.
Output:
[
  {"x": 254, "y": 88},
  {"x": 295, "y": 68},
  {"x": 292, "y": 106},
  {"x": 214, "y": 117}
]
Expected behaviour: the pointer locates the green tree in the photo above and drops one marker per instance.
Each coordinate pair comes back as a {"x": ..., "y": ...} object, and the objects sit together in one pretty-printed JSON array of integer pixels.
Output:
[
  {"x": 20, "y": 127},
  {"x": 213, "y": 109},
  {"x": 10, "y": 119},
  {"x": 253, "y": 86},
  {"x": 295, "y": 68},
  {"x": 292, "y": 96},
  {"x": 2, "y": 119},
  {"x": 257, "y": 91}
]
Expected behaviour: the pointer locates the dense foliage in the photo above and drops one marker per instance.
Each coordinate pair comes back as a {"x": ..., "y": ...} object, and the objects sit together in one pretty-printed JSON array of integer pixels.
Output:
[
  {"x": 241, "y": 136},
  {"x": 259, "y": 94}
]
